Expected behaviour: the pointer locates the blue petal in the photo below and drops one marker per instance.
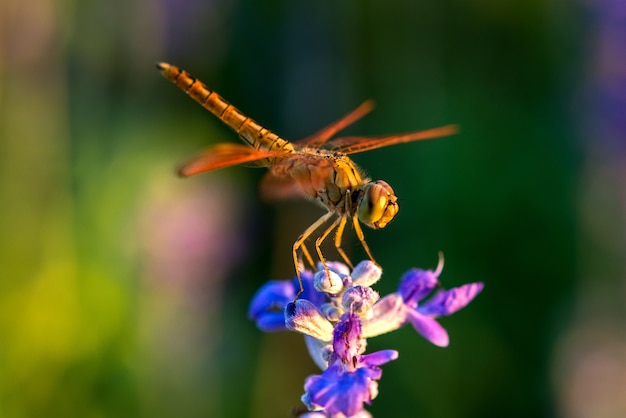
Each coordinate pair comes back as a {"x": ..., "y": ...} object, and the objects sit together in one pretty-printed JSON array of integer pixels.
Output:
[
  {"x": 429, "y": 328},
  {"x": 271, "y": 321},
  {"x": 448, "y": 302},
  {"x": 416, "y": 284},
  {"x": 337, "y": 391},
  {"x": 273, "y": 296},
  {"x": 379, "y": 358}
]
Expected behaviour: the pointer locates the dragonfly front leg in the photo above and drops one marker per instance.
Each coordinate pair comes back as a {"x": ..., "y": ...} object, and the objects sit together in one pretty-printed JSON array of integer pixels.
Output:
[
  {"x": 321, "y": 238},
  {"x": 359, "y": 234},
  {"x": 299, "y": 244},
  {"x": 338, "y": 238},
  {"x": 307, "y": 255}
]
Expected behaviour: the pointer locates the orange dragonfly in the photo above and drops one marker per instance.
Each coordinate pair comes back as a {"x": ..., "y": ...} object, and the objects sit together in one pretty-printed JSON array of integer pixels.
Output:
[{"x": 315, "y": 167}]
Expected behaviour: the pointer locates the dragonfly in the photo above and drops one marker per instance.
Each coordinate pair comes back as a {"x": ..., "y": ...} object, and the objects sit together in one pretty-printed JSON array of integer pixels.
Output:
[{"x": 317, "y": 168}]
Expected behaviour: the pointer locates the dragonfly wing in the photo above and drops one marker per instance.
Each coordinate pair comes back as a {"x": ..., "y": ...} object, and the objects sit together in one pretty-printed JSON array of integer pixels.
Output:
[
  {"x": 226, "y": 155},
  {"x": 319, "y": 138},
  {"x": 355, "y": 144},
  {"x": 275, "y": 187},
  {"x": 299, "y": 175}
]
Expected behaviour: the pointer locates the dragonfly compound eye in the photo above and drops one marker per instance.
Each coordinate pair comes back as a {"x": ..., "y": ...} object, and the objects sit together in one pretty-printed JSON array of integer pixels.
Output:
[{"x": 378, "y": 205}]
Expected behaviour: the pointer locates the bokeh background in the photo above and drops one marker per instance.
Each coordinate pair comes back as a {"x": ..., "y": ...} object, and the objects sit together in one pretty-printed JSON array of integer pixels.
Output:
[{"x": 124, "y": 290}]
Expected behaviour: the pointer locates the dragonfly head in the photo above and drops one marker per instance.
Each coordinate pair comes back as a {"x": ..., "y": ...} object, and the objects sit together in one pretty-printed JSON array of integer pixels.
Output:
[{"x": 378, "y": 204}]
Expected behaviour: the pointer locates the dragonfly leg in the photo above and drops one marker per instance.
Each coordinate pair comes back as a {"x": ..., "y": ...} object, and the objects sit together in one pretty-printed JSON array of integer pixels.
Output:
[
  {"x": 321, "y": 238},
  {"x": 338, "y": 237},
  {"x": 307, "y": 255},
  {"x": 299, "y": 244},
  {"x": 359, "y": 234}
]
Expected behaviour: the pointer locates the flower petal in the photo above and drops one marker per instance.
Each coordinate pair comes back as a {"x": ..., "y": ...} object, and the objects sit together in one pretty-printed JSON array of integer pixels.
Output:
[
  {"x": 272, "y": 296},
  {"x": 336, "y": 266},
  {"x": 336, "y": 391},
  {"x": 269, "y": 302},
  {"x": 366, "y": 273},
  {"x": 302, "y": 316},
  {"x": 416, "y": 284},
  {"x": 319, "y": 351},
  {"x": 271, "y": 321},
  {"x": 360, "y": 299},
  {"x": 328, "y": 282},
  {"x": 448, "y": 302},
  {"x": 347, "y": 340},
  {"x": 379, "y": 358},
  {"x": 429, "y": 328},
  {"x": 389, "y": 314}
]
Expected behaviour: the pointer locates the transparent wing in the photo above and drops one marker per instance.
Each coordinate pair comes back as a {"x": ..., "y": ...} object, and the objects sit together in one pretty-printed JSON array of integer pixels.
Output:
[
  {"x": 355, "y": 144},
  {"x": 319, "y": 138},
  {"x": 277, "y": 187},
  {"x": 298, "y": 175},
  {"x": 225, "y": 155}
]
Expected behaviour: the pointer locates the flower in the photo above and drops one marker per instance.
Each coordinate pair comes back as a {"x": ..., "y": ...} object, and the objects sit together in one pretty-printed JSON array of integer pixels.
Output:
[
  {"x": 350, "y": 379},
  {"x": 269, "y": 302},
  {"x": 406, "y": 305},
  {"x": 339, "y": 310}
]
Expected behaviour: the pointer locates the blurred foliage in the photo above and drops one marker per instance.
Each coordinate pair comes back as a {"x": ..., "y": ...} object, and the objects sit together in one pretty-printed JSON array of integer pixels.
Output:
[{"x": 123, "y": 290}]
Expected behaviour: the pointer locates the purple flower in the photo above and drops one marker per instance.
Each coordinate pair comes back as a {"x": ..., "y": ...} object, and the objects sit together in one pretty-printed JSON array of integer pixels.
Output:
[
  {"x": 339, "y": 310},
  {"x": 350, "y": 379},
  {"x": 416, "y": 285},
  {"x": 443, "y": 303},
  {"x": 269, "y": 302},
  {"x": 407, "y": 305}
]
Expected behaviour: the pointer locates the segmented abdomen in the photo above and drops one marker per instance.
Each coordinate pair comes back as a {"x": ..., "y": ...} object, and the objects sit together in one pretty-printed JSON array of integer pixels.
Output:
[{"x": 251, "y": 132}]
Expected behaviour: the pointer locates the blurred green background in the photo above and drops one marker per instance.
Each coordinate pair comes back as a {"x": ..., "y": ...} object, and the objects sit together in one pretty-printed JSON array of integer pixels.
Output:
[{"x": 124, "y": 290}]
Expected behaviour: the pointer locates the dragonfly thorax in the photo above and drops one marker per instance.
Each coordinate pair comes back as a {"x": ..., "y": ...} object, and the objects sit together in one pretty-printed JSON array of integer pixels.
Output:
[{"x": 377, "y": 204}]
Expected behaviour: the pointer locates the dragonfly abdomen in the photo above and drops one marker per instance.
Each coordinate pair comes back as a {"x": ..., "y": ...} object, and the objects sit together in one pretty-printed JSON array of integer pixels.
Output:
[{"x": 250, "y": 131}]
